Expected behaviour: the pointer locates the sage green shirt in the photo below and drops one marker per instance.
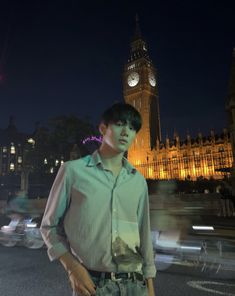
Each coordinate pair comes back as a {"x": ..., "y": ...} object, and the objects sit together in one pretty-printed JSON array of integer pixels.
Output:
[{"x": 101, "y": 219}]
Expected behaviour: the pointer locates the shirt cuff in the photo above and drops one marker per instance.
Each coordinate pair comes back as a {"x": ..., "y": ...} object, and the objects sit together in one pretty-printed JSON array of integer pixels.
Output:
[
  {"x": 56, "y": 251},
  {"x": 149, "y": 271}
]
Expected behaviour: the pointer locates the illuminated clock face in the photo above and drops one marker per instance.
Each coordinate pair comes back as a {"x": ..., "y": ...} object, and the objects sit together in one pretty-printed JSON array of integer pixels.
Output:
[
  {"x": 133, "y": 79},
  {"x": 152, "y": 79}
]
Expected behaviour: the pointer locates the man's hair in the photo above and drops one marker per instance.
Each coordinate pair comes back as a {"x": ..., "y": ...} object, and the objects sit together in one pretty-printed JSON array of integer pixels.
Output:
[{"x": 124, "y": 113}]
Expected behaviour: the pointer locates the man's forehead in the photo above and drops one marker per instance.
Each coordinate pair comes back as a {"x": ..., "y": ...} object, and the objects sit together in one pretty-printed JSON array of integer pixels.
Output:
[{"x": 124, "y": 121}]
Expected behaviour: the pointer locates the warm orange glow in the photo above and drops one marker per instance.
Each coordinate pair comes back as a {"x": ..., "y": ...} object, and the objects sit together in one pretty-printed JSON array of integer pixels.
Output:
[
  {"x": 177, "y": 167},
  {"x": 182, "y": 174}
]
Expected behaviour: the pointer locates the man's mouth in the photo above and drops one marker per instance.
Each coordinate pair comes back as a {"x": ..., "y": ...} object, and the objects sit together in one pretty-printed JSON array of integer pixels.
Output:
[{"x": 123, "y": 141}]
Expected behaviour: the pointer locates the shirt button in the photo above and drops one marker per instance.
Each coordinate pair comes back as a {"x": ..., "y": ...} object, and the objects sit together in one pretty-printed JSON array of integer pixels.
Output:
[
  {"x": 115, "y": 254},
  {"x": 114, "y": 210}
]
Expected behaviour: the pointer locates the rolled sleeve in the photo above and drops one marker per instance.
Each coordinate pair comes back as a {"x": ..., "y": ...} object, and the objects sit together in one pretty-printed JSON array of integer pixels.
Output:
[
  {"x": 51, "y": 227},
  {"x": 146, "y": 246}
]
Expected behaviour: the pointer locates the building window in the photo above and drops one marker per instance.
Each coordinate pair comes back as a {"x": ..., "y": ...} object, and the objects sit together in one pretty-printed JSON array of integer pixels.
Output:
[
  {"x": 20, "y": 159},
  {"x": 4, "y": 149},
  {"x": 45, "y": 161},
  {"x": 12, "y": 167},
  {"x": 31, "y": 141},
  {"x": 13, "y": 149},
  {"x": 56, "y": 162},
  {"x": 51, "y": 170}
]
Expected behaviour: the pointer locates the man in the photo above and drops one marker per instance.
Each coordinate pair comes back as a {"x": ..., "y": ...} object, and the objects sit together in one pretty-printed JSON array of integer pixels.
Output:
[{"x": 97, "y": 217}]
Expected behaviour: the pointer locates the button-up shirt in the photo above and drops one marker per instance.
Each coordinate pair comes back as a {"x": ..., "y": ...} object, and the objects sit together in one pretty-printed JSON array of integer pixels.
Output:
[{"x": 102, "y": 219}]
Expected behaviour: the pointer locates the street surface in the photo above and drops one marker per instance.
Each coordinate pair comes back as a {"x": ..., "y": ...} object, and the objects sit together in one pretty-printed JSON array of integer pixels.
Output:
[{"x": 26, "y": 272}]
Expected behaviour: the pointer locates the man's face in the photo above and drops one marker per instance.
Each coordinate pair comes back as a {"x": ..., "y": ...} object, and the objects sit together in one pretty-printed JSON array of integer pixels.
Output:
[{"x": 119, "y": 136}]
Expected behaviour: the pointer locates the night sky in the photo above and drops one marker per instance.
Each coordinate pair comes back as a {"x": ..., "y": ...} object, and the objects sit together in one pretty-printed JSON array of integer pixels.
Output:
[{"x": 67, "y": 57}]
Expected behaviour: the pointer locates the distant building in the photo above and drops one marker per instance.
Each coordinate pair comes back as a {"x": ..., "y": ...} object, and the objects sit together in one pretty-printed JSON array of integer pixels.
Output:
[
  {"x": 206, "y": 156},
  {"x": 27, "y": 162},
  {"x": 11, "y": 149}
]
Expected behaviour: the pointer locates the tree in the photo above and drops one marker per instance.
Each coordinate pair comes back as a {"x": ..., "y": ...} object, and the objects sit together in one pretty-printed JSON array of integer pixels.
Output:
[{"x": 65, "y": 131}]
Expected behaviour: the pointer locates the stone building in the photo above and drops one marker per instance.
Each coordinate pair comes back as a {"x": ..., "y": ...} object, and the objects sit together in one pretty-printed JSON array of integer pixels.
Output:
[
  {"x": 11, "y": 149},
  {"x": 205, "y": 156}
]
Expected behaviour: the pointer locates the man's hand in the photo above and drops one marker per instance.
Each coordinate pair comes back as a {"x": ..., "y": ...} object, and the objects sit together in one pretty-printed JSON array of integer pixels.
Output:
[
  {"x": 79, "y": 277},
  {"x": 150, "y": 287},
  {"x": 81, "y": 281}
]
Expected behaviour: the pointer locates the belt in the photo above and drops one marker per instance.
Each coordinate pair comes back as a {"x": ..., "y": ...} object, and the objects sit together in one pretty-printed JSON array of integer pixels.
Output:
[{"x": 114, "y": 276}]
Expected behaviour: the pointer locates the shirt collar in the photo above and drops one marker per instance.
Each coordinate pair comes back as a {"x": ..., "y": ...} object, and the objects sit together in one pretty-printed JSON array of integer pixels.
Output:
[{"x": 96, "y": 160}]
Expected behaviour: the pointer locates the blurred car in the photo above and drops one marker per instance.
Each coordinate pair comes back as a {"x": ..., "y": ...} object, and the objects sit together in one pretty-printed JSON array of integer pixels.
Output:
[{"x": 186, "y": 231}]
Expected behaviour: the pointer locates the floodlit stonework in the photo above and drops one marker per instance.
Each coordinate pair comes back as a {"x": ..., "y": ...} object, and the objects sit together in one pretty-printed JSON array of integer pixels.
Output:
[{"x": 204, "y": 156}]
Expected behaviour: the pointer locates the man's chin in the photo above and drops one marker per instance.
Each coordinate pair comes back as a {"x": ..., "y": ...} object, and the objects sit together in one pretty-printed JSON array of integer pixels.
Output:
[{"x": 121, "y": 149}]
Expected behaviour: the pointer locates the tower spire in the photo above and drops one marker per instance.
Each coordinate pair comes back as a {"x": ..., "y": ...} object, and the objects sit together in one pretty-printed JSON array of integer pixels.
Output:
[
  {"x": 137, "y": 34},
  {"x": 230, "y": 104},
  {"x": 138, "y": 45},
  {"x": 230, "y": 108},
  {"x": 231, "y": 85}
]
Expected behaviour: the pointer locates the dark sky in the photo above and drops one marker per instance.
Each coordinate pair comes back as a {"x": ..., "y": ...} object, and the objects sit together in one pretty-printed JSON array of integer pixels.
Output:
[{"x": 67, "y": 57}]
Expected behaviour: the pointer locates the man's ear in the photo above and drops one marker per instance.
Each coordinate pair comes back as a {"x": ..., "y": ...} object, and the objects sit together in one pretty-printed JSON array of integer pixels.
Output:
[{"x": 102, "y": 128}]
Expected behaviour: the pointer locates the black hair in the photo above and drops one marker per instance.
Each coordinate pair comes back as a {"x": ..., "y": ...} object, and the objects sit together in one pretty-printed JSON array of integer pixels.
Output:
[{"x": 122, "y": 112}]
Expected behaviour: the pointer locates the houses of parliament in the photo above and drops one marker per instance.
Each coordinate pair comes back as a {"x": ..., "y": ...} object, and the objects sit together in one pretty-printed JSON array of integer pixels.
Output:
[{"x": 207, "y": 157}]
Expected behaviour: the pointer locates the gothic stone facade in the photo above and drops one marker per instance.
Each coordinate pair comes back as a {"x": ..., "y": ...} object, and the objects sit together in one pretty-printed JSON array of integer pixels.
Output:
[{"x": 192, "y": 158}]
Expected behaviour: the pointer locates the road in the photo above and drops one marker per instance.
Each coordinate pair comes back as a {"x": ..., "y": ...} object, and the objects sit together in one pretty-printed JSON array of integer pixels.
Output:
[{"x": 25, "y": 272}]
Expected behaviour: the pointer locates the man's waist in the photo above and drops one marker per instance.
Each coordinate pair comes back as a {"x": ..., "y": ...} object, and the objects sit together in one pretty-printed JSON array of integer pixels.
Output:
[{"x": 115, "y": 276}]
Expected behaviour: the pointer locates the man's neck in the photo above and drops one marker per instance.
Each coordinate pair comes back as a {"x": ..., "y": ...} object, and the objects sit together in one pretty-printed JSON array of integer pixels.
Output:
[{"x": 110, "y": 158}]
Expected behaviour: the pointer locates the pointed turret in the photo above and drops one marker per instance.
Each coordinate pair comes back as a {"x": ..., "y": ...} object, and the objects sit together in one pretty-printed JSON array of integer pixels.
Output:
[
  {"x": 200, "y": 138},
  {"x": 167, "y": 141},
  {"x": 231, "y": 85},
  {"x": 230, "y": 104},
  {"x": 137, "y": 34},
  {"x": 138, "y": 45},
  {"x": 188, "y": 138},
  {"x": 230, "y": 108}
]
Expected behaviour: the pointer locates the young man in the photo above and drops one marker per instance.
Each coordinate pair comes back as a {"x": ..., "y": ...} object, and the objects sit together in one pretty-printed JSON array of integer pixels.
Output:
[{"x": 96, "y": 221}]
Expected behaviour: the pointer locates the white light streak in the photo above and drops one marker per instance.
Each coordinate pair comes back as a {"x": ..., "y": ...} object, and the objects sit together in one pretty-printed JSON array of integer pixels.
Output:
[
  {"x": 190, "y": 248},
  {"x": 203, "y": 227}
]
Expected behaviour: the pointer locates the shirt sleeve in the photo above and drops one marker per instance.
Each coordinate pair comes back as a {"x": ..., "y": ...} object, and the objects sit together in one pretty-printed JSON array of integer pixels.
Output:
[
  {"x": 146, "y": 246},
  {"x": 51, "y": 227}
]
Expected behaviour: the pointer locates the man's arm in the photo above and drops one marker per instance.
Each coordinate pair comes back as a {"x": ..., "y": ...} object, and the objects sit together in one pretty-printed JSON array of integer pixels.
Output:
[
  {"x": 56, "y": 241},
  {"x": 150, "y": 287},
  {"x": 146, "y": 246},
  {"x": 58, "y": 200}
]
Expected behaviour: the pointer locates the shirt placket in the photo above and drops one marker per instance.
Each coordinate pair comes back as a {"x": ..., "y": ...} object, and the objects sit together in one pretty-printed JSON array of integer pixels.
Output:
[
  {"x": 115, "y": 209},
  {"x": 116, "y": 181}
]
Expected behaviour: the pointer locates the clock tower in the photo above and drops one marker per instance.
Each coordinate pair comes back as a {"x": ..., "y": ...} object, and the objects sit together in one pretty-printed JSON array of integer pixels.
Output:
[{"x": 141, "y": 91}]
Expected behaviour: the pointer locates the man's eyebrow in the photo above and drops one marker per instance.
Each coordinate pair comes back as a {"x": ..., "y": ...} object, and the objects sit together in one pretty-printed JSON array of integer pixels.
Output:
[{"x": 119, "y": 120}]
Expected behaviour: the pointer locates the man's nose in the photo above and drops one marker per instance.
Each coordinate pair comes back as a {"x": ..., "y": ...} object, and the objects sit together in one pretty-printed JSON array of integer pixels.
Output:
[{"x": 124, "y": 130}]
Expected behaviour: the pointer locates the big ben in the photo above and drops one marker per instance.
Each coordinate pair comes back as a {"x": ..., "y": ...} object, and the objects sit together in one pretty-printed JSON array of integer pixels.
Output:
[{"x": 141, "y": 91}]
